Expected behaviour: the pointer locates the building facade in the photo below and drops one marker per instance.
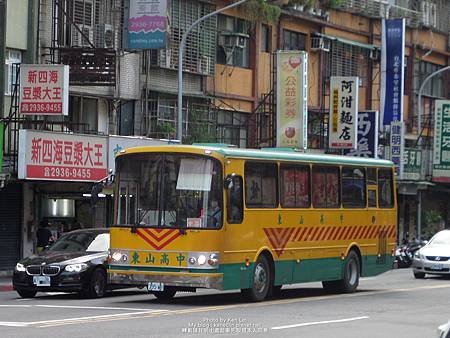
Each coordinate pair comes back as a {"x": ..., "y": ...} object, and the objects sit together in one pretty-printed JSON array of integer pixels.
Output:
[{"x": 229, "y": 81}]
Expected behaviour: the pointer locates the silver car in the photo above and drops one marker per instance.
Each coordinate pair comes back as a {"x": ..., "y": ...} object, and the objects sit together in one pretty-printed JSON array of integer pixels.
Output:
[{"x": 434, "y": 257}]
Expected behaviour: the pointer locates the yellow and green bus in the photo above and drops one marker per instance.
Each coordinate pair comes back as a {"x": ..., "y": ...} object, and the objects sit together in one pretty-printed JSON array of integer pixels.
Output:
[{"x": 212, "y": 216}]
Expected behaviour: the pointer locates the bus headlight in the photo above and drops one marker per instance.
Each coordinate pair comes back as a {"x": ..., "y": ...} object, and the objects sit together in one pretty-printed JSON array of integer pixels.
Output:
[
  {"x": 213, "y": 259},
  {"x": 201, "y": 259},
  {"x": 118, "y": 256}
]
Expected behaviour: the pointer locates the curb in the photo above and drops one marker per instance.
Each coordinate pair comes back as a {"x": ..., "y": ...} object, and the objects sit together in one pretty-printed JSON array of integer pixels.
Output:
[{"x": 6, "y": 288}]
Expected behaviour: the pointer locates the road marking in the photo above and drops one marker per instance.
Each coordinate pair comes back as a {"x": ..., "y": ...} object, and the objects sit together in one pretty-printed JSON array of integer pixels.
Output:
[
  {"x": 319, "y": 323},
  {"x": 15, "y": 324},
  {"x": 155, "y": 313},
  {"x": 97, "y": 307}
]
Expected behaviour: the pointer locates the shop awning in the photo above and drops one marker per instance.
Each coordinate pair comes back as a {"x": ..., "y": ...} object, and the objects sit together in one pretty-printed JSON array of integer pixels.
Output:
[{"x": 348, "y": 42}]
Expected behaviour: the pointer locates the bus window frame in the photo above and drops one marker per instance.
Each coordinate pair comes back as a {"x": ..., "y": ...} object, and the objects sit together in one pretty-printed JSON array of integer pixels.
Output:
[
  {"x": 327, "y": 167},
  {"x": 295, "y": 166},
  {"x": 363, "y": 189},
  {"x": 275, "y": 205}
]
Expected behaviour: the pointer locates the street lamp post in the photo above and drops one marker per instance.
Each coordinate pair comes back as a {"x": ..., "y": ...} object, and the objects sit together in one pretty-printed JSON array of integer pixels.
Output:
[
  {"x": 419, "y": 142},
  {"x": 180, "y": 64}
]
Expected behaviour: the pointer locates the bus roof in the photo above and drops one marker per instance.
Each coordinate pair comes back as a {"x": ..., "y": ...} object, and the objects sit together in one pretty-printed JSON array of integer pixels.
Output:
[{"x": 279, "y": 154}]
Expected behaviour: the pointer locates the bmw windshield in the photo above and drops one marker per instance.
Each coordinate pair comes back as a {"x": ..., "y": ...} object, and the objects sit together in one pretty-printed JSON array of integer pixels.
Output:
[{"x": 168, "y": 190}]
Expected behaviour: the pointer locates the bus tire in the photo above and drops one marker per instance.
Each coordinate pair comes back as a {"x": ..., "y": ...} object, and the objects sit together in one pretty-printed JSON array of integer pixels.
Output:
[
  {"x": 351, "y": 276},
  {"x": 261, "y": 281},
  {"x": 168, "y": 293}
]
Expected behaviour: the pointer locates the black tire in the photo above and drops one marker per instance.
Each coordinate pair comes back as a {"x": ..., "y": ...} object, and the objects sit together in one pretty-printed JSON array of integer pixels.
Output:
[
  {"x": 26, "y": 293},
  {"x": 261, "y": 281},
  {"x": 351, "y": 276},
  {"x": 97, "y": 285},
  {"x": 276, "y": 291},
  {"x": 419, "y": 275},
  {"x": 168, "y": 293}
]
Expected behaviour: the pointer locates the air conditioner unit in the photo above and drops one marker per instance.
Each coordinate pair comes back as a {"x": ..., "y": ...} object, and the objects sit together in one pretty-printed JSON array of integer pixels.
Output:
[
  {"x": 375, "y": 54},
  {"x": 204, "y": 65},
  {"x": 104, "y": 36},
  {"x": 78, "y": 40},
  {"x": 231, "y": 40},
  {"x": 320, "y": 43}
]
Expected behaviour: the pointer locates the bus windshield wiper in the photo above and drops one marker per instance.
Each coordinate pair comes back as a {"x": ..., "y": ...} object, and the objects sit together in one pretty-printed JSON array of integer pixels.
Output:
[{"x": 138, "y": 223}]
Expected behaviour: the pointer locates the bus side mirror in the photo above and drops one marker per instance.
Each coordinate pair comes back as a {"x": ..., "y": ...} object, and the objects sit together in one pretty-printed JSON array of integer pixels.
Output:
[
  {"x": 228, "y": 182},
  {"x": 96, "y": 189}
]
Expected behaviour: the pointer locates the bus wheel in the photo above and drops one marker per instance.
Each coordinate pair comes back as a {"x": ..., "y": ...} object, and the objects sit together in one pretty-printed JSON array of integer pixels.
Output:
[
  {"x": 351, "y": 276},
  {"x": 168, "y": 293},
  {"x": 261, "y": 281}
]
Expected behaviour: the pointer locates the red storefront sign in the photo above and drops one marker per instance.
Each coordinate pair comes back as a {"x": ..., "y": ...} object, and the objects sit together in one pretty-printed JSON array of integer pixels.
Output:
[
  {"x": 44, "y": 89},
  {"x": 62, "y": 157}
]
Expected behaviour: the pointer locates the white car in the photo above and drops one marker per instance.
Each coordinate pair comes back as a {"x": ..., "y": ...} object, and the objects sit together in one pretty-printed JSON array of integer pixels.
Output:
[
  {"x": 444, "y": 330},
  {"x": 434, "y": 257}
]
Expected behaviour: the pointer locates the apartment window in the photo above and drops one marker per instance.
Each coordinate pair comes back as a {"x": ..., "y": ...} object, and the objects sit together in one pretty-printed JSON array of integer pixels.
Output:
[
  {"x": 265, "y": 38},
  {"x": 233, "y": 41},
  {"x": 231, "y": 128},
  {"x": 435, "y": 86},
  {"x": 11, "y": 57},
  {"x": 261, "y": 185},
  {"x": 294, "y": 40}
]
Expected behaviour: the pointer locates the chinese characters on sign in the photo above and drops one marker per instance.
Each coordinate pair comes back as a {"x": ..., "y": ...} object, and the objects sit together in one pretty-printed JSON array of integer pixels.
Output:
[
  {"x": 441, "y": 156},
  {"x": 343, "y": 112},
  {"x": 412, "y": 164},
  {"x": 292, "y": 100},
  {"x": 367, "y": 135},
  {"x": 147, "y": 24},
  {"x": 392, "y": 70},
  {"x": 158, "y": 258},
  {"x": 44, "y": 89},
  {"x": 397, "y": 144},
  {"x": 62, "y": 157}
]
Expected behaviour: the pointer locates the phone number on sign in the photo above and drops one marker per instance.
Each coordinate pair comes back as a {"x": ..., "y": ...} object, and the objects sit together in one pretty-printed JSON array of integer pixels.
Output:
[{"x": 61, "y": 172}]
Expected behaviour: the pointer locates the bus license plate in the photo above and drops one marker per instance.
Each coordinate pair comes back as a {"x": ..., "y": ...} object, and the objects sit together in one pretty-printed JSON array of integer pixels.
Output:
[
  {"x": 437, "y": 267},
  {"x": 153, "y": 286},
  {"x": 41, "y": 280}
]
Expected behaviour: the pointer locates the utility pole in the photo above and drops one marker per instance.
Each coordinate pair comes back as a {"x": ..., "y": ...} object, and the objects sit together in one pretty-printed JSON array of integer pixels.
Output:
[
  {"x": 180, "y": 64},
  {"x": 2, "y": 56},
  {"x": 419, "y": 143}
]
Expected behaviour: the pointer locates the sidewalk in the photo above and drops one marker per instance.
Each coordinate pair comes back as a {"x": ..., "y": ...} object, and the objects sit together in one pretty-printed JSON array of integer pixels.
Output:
[{"x": 5, "y": 283}]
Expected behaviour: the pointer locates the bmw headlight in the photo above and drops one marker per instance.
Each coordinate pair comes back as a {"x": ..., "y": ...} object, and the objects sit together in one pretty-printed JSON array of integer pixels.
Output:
[
  {"x": 76, "y": 267},
  {"x": 20, "y": 267}
]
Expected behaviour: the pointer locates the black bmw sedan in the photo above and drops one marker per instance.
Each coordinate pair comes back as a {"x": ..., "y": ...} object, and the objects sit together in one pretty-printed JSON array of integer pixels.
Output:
[{"x": 76, "y": 262}]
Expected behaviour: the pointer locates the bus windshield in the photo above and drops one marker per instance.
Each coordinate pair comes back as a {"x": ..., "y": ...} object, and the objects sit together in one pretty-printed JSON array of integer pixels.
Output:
[{"x": 169, "y": 190}]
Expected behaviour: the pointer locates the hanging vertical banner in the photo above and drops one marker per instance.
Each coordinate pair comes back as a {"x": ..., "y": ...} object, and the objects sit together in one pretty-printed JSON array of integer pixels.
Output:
[
  {"x": 412, "y": 164},
  {"x": 397, "y": 147},
  {"x": 343, "y": 112},
  {"x": 147, "y": 24},
  {"x": 441, "y": 155},
  {"x": 392, "y": 70},
  {"x": 292, "y": 99},
  {"x": 367, "y": 135},
  {"x": 44, "y": 89}
]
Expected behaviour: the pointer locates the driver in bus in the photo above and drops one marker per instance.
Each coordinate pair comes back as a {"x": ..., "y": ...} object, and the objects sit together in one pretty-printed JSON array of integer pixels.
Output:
[{"x": 214, "y": 214}]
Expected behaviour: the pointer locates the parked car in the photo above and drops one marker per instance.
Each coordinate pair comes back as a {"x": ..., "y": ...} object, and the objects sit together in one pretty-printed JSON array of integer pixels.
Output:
[
  {"x": 434, "y": 257},
  {"x": 76, "y": 262},
  {"x": 444, "y": 330}
]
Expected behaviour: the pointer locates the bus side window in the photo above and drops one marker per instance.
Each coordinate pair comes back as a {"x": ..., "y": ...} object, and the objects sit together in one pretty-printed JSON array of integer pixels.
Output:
[
  {"x": 385, "y": 189},
  {"x": 235, "y": 206}
]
